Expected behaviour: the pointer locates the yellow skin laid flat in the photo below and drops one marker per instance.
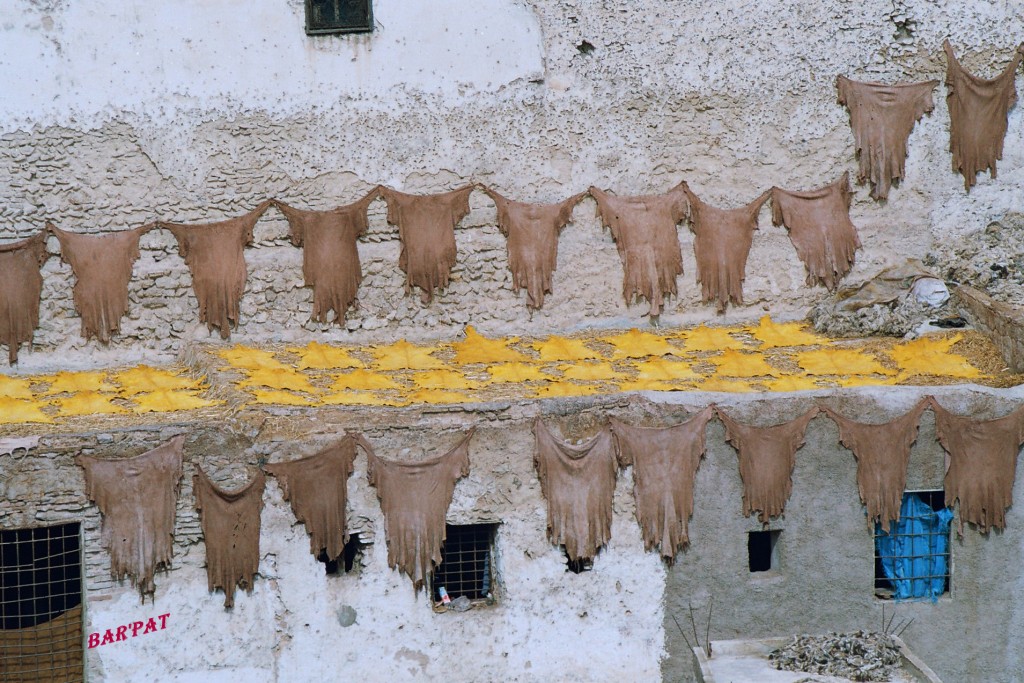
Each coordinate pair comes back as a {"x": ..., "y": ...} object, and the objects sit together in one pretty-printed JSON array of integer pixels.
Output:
[
  {"x": 591, "y": 371},
  {"x": 739, "y": 364},
  {"x": 166, "y": 400},
  {"x": 144, "y": 378},
  {"x": 435, "y": 396},
  {"x": 88, "y": 403},
  {"x": 516, "y": 372},
  {"x": 281, "y": 398},
  {"x": 637, "y": 344},
  {"x": 13, "y": 387},
  {"x": 664, "y": 369},
  {"x": 773, "y": 335},
  {"x": 841, "y": 362},
  {"x": 405, "y": 356},
  {"x": 15, "y": 411},
  {"x": 249, "y": 358},
  {"x": 719, "y": 384},
  {"x": 359, "y": 398},
  {"x": 278, "y": 378},
  {"x": 324, "y": 357},
  {"x": 562, "y": 349},
  {"x": 792, "y": 383},
  {"x": 76, "y": 381},
  {"x": 362, "y": 379},
  {"x": 554, "y": 389},
  {"x": 703, "y": 338},
  {"x": 478, "y": 349},
  {"x": 932, "y": 356},
  {"x": 442, "y": 379}
]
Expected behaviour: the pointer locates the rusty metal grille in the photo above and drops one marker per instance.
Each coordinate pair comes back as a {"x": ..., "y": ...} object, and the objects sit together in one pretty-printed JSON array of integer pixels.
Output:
[
  {"x": 920, "y": 553},
  {"x": 465, "y": 567},
  {"x": 338, "y": 16},
  {"x": 41, "y": 604}
]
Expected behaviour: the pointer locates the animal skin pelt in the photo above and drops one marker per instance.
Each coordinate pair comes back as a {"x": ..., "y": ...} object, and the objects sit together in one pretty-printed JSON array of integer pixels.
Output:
[
  {"x": 426, "y": 228},
  {"x": 102, "y": 265},
  {"x": 819, "y": 227},
  {"x": 644, "y": 229},
  {"x": 882, "y": 117},
  {"x": 665, "y": 462},
  {"x": 330, "y": 259},
  {"x": 214, "y": 255},
  {"x": 532, "y": 241},
  {"x": 21, "y": 285}
]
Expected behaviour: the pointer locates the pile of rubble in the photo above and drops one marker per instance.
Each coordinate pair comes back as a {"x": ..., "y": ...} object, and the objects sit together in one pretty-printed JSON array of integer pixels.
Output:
[{"x": 858, "y": 656}]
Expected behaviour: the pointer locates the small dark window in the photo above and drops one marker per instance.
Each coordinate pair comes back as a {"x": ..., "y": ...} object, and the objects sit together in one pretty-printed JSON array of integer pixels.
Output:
[
  {"x": 351, "y": 558},
  {"x": 338, "y": 16},
  {"x": 912, "y": 560},
  {"x": 467, "y": 566},
  {"x": 761, "y": 549}
]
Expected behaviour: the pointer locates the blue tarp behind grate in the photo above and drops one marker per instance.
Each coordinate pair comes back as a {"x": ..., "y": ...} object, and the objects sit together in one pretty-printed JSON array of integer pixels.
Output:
[{"x": 915, "y": 552}]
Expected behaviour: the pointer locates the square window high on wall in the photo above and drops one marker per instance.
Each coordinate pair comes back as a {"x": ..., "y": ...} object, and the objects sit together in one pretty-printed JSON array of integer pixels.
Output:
[
  {"x": 912, "y": 559},
  {"x": 338, "y": 16},
  {"x": 467, "y": 564}
]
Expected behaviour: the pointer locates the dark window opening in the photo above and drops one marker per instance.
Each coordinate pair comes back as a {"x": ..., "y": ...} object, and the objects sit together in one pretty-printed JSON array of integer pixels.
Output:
[
  {"x": 467, "y": 567},
  {"x": 583, "y": 564},
  {"x": 761, "y": 549},
  {"x": 338, "y": 16},
  {"x": 351, "y": 558},
  {"x": 912, "y": 560}
]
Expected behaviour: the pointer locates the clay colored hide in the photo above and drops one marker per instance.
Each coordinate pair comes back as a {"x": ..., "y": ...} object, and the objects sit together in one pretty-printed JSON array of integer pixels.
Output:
[
  {"x": 414, "y": 497},
  {"x": 819, "y": 227},
  {"x": 982, "y": 464},
  {"x": 102, "y": 265},
  {"x": 767, "y": 456},
  {"x": 721, "y": 244},
  {"x": 578, "y": 483},
  {"x": 214, "y": 255},
  {"x": 644, "y": 229},
  {"x": 21, "y": 285},
  {"x": 426, "y": 228},
  {"x": 665, "y": 462},
  {"x": 330, "y": 259},
  {"x": 231, "y": 527},
  {"x": 317, "y": 487},
  {"x": 532, "y": 233},
  {"x": 978, "y": 110},
  {"x": 882, "y": 117},
  {"x": 137, "y": 498},
  {"x": 883, "y": 453}
]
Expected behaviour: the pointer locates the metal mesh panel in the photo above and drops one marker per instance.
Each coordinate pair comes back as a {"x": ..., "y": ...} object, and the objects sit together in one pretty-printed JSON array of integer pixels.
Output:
[
  {"x": 338, "y": 16},
  {"x": 465, "y": 567},
  {"x": 884, "y": 587},
  {"x": 41, "y": 604}
]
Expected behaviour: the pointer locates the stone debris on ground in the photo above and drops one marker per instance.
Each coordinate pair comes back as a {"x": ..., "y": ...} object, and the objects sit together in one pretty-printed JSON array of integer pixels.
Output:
[{"x": 858, "y": 656}]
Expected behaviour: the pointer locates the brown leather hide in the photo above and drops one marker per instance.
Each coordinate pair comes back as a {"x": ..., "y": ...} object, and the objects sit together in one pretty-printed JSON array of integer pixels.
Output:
[
  {"x": 883, "y": 453},
  {"x": 721, "y": 244},
  {"x": 578, "y": 482},
  {"x": 317, "y": 487},
  {"x": 426, "y": 227},
  {"x": 982, "y": 464},
  {"x": 231, "y": 527},
  {"x": 214, "y": 256},
  {"x": 330, "y": 260},
  {"x": 978, "y": 109},
  {"x": 767, "y": 456},
  {"x": 102, "y": 265},
  {"x": 820, "y": 228},
  {"x": 532, "y": 232},
  {"x": 882, "y": 117},
  {"x": 137, "y": 498},
  {"x": 21, "y": 285},
  {"x": 665, "y": 462},
  {"x": 644, "y": 229},
  {"x": 414, "y": 497}
]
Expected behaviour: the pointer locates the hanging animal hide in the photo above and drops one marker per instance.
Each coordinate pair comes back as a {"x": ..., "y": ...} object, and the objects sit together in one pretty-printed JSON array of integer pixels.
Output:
[
  {"x": 214, "y": 256},
  {"x": 767, "y": 456},
  {"x": 317, "y": 487},
  {"x": 982, "y": 464},
  {"x": 978, "y": 109},
  {"x": 883, "y": 453},
  {"x": 819, "y": 227},
  {"x": 665, "y": 462},
  {"x": 426, "y": 228},
  {"x": 721, "y": 244},
  {"x": 137, "y": 498},
  {"x": 102, "y": 265},
  {"x": 882, "y": 117},
  {"x": 532, "y": 232},
  {"x": 644, "y": 229},
  {"x": 330, "y": 260},
  {"x": 21, "y": 285},
  {"x": 414, "y": 497},
  {"x": 578, "y": 482},
  {"x": 231, "y": 527}
]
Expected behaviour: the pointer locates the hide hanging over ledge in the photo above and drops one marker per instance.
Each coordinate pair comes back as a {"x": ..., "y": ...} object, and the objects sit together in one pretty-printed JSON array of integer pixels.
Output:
[
  {"x": 883, "y": 454},
  {"x": 982, "y": 464},
  {"x": 819, "y": 226},
  {"x": 330, "y": 259},
  {"x": 426, "y": 228},
  {"x": 644, "y": 229},
  {"x": 317, "y": 488},
  {"x": 767, "y": 456},
  {"x": 665, "y": 462},
  {"x": 978, "y": 110},
  {"x": 414, "y": 497},
  {"x": 21, "y": 285},
  {"x": 721, "y": 244},
  {"x": 578, "y": 483},
  {"x": 102, "y": 265},
  {"x": 532, "y": 232},
  {"x": 137, "y": 498},
  {"x": 214, "y": 255},
  {"x": 882, "y": 117},
  {"x": 231, "y": 528}
]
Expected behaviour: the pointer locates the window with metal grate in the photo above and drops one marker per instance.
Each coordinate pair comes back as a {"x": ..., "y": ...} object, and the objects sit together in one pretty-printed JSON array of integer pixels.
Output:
[
  {"x": 338, "y": 16},
  {"x": 912, "y": 560},
  {"x": 467, "y": 566}
]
